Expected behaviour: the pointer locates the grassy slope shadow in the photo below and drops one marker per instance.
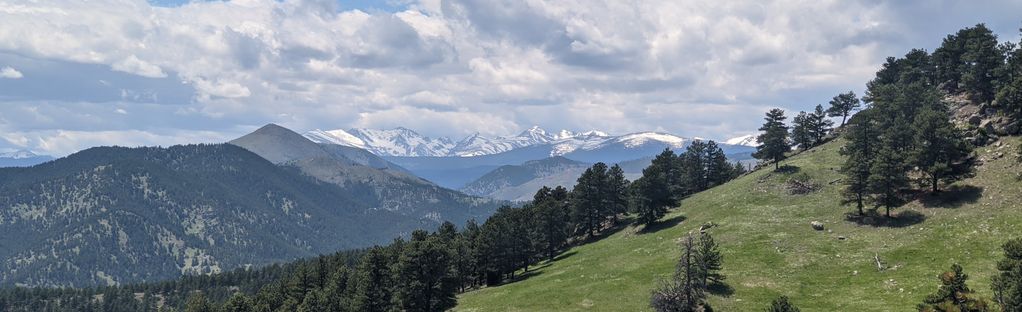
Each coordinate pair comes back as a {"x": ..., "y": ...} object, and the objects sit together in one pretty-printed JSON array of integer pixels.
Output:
[
  {"x": 876, "y": 219},
  {"x": 662, "y": 224},
  {"x": 953, "y": 197}
]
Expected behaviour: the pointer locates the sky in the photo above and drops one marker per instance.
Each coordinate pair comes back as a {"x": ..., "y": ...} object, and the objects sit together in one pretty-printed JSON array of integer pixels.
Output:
[{"x": 76, "y": 74}]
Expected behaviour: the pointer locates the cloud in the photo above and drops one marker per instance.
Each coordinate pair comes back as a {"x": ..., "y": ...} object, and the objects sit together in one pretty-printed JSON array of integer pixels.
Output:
[
  {"x": 698, "y": 68},
  {"x": 133, "y": 65},
  {"x": 10, "y": 73}
]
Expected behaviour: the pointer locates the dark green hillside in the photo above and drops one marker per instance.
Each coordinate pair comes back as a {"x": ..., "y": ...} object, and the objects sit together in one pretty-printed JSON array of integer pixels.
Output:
[{"x": 114, "y": 215}]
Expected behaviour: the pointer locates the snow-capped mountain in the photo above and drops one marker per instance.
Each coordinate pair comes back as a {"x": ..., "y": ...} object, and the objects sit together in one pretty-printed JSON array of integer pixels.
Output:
[
  {"x": 402, "y": 142},
  {"x": 22, "y": 158},
  {"x": 393, "y": 142},
  {"x": 745, "y": 140}
]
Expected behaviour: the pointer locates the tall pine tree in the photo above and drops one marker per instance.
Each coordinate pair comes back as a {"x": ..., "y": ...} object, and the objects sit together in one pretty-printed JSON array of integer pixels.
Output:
[
  {"x": 859, "y": 152},
  {"x": 1007, "y": 284},
  {"x": 774, "y": 139},
  {"x": 941, "y": 152},
  {"x": 842, "y": 105}
]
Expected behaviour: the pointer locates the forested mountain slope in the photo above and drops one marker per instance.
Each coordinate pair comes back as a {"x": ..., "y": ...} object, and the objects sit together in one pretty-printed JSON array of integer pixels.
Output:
[
  {"x": 770, "y": 249},
  {"x": 111, "y": 215}
]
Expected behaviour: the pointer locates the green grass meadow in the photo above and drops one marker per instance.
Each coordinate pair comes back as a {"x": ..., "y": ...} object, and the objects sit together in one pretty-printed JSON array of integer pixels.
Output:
[{"x": 770, "y": 249}]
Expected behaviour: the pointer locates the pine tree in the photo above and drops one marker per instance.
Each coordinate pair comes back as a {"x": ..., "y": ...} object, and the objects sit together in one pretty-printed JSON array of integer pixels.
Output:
[
  {"x": 691, "y": 170},
  {"x": 782, "y": 304},
  {"x": 708, "y": 260},
  {"x": 684, "y": 292},
  {"x": 616, "y": 191},
  {"x": 1009, "y": 94},
  {"x": 888, "y": 177},
  {"x": 774, "y": 139},
  {"x": 954, "y": 294},
  {"x": 422, "y": 280},
  {"x": 802, "y": 131},
  {"x": 642, "y": 199},
  {"x": 941, "y": 152},
  {"x": 372, "y": 282},
  {"x": 198, "y": 303},
  {"x": 237, "y": 303},
  {"x": 314, "y": 301},
  {"x": 657, "y": 189},
  {"x": 1007, "y": 284},
  {"x": 843, "y": 105},
  {"x": 551, "y": 220},
  {"x": 590, "y": 199},
  {"x": 968, "y": 61},
  {"x": 718, "y": 170},
  {"x": 859, "y": 151},
  {"x": 821, "y": 126}
]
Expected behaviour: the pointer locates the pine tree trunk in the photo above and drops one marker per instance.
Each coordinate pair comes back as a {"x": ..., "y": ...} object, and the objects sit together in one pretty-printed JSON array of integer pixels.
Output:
[
  {"x": 934, "y": 182},
  {"x": 843, "y": 118},
  {"x": 888, "y": 211},
  {"x": 858, "y": 198}
]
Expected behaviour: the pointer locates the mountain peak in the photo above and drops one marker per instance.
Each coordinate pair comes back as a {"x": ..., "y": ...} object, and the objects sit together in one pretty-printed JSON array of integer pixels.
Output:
[
  {"x": 745, "y": 140},
  {"x": 278, "y": 144},
  {"x": 19, "y": 154}
]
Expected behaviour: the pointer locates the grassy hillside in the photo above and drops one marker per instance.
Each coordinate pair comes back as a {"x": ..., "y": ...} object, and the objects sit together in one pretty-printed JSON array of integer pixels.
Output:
[{"x": 770, "y": 249}]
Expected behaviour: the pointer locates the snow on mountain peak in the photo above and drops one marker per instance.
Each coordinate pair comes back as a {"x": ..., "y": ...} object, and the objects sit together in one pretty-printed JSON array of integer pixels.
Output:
[
  {"x": 408, "y": 143},
  {"x": 19, "y": 154},
  {"x": 745, "y": 140},
  {"x": 638, "y": 139},
  {"x": 339, "y": 137}
]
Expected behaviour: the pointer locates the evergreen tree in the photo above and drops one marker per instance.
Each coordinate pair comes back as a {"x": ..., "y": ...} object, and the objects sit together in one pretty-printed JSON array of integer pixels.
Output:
[
  {"x": 782, "y": 304},
  {"x": 372, "y": 282},
  {"x": 774, "y": 139},
  {"x": 1009, "y": 94},
  {"x": 198, "y": 303},
  {"x": 888, "y": 177},
  {"x": 842, "y": 105},
  {"x": 684, "y": 292},
  {"x": 589, "y": 199},
  {"x": 708, "y": 260},
  {"x": 616, "y": 191},
  {"x": 953, "y": 295},
  {"x": 551, "y": 219},
  {"x": 1007, "y": 284},
  {"x": 314, "y": 301},
  {"x": 941, "y": 152},
  {"x": 821, "y": 126},
  {"x": 860, "y": 153},
  {"x": 718, "y": 170},
  {"x": 802, "y": 131},
  {"x": 238, "y": 303},
  {"x": 643, "y": 202},
  {"x": 691, "y": 169},
  {"x": 422, "y": 279},
  {"x": 969, "y": 61},
  {"x": 656, "y": 191}
]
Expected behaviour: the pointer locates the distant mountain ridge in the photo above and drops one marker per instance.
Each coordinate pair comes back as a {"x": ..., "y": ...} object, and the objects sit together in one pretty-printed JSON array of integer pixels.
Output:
[
  {"x": 507, "y": 177},
  {"x": 22, "y": 158},
  {"x": 403, "y": 142},
  {"x": 393, "y": 187}
]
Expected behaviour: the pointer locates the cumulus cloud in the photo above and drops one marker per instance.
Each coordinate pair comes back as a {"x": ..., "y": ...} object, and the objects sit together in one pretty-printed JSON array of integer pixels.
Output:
[
  {"x": 698, "y": 68},
  {"x": 10, "y": 73}
]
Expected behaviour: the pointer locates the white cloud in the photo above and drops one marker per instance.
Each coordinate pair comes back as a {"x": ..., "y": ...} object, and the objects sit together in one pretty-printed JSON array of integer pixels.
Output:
[
  {"x": 10, "y": 73},
  {"x": 699, "y": 68},
  {"x": 133, "y": 65}
]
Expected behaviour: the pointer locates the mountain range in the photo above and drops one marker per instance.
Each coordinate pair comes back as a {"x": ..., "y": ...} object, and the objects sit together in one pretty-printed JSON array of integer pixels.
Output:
[
  {"x": 22, "y": 158},
  {"x": 455, "y": 164},
  {"x": 113, "y": 215}
]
